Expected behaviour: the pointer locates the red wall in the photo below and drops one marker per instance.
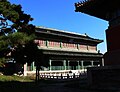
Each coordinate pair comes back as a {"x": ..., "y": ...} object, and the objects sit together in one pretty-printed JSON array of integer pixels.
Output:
[
  {"x": 113, "y": 38},
  {"x": 112, "y": 56}
]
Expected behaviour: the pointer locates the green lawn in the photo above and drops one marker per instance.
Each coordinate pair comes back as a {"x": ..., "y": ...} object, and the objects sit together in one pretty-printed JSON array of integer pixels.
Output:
[
  {"x": 16, "y": 84},
  {"x": 4, "y": 78}
]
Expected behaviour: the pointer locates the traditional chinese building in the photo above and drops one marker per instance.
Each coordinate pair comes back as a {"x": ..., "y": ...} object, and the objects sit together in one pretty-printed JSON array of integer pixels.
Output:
[
  {"x": 108, "y": 10},
  {"x": 67, "y": 50}
]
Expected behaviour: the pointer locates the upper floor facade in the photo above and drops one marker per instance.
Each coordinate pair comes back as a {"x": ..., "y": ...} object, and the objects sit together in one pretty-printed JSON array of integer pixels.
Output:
[{"x": 53, "y": 39}]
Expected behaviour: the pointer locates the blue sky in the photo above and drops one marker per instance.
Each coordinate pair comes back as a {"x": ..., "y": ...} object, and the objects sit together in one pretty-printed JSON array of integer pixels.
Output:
[{"x": 60, "y": 14}]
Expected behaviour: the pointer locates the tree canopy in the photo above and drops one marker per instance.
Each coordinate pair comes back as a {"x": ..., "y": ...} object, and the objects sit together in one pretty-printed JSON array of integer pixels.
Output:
[{"x": 14, "y": 13}]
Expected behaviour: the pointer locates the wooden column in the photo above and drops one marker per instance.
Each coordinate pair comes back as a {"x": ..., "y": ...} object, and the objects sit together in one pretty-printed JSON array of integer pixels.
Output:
[
  {"x": 60, "y": 44},
  {"x": 25, "y": 69},
  {"x": 50, "y": 63},
  {"x": 68, "y": 65},
  {"x": 64, "y": 63},
  {"x": 78, "y": 64},
  {"x": 37, "y": 71},
  {"x": 78, "y": 46},
  {"x": 47, "y": 43},
  {"x": 102, "y": 61},
  {"x": 33, "y": 66},
  {"x": 82, "y": 64}
]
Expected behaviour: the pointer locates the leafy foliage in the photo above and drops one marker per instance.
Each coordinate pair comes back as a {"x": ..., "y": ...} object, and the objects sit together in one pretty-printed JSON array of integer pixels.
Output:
[
  {"x": 2, "y": 61},
  {"x": 15, "y": 14},
  {"x": 19, "y": 38}
]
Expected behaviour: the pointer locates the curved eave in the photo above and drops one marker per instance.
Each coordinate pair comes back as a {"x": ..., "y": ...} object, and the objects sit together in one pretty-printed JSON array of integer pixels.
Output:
[
  {"x": 92, "y": 12},
  {"x": 68, "y": 53},
  {"x": 97, "y": 8}
]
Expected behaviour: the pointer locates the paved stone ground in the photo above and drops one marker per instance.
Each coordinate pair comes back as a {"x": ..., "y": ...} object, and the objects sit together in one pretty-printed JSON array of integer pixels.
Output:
[{"x": 61, "y": 88}]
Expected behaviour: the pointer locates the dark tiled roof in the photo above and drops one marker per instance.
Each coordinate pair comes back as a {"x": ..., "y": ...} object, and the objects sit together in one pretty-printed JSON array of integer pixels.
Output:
[{"x": 61, "y": 33}]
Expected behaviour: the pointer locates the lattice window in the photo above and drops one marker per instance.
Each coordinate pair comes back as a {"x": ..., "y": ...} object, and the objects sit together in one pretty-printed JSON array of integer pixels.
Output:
[
  {"x": 83, "y": 47},
  {"x": 40, "y": 42},
  {"x": 69, "y": 45},
  {"x": 53, "y": 44},
  {"x": 93, "y": 48}
]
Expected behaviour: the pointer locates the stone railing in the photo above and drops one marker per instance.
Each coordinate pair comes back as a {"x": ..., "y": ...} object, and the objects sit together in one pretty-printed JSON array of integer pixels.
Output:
[{"x": 61, "y": 74}]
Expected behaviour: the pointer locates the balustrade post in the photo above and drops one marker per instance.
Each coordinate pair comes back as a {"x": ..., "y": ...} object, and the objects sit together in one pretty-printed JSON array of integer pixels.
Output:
[
  {"x": 61, "y": 76},
  {"x": 73, "y": 75},
  {"x": 67, "y": 76}
]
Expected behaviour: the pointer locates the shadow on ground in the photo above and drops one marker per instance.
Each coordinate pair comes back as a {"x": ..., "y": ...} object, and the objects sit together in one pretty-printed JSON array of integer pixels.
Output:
[
  {"x": 15, "y": 86},
  {"x": 41, "y": 86},
  {"x": 49, "y": 86}
]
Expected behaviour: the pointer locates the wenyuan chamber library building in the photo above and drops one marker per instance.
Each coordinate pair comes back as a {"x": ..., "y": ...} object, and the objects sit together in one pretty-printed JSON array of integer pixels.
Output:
[{"x": 66, "y": 50}]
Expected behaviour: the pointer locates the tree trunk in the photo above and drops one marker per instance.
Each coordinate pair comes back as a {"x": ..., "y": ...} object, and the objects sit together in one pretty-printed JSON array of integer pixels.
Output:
[{"x": 37, "y": 73}]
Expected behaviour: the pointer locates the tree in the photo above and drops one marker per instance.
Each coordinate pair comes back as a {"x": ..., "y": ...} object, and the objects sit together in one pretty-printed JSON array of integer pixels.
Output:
[
  {"x": 18, "y": 33},
  {"x": 17, "y": 39}
]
